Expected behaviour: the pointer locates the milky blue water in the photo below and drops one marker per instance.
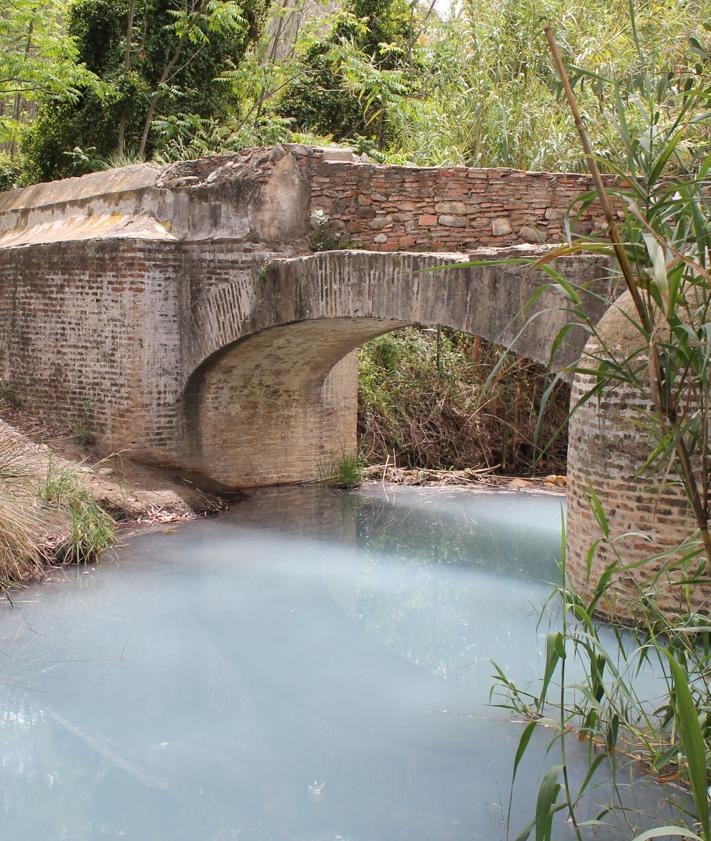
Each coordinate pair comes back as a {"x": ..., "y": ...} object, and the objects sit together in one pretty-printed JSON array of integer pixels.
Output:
[{"x": 310, "y": 666}]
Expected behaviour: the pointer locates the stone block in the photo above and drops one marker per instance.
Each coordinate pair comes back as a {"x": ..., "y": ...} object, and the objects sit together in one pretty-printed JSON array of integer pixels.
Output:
[
  {"x": 501, "y": 227},
  {"x": 530, "y": 234},
  {"x": 450, "y": 221},
  {"x": 452, "y": 207}
]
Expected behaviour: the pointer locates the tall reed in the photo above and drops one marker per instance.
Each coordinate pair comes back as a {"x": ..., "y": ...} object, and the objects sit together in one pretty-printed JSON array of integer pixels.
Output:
[{"x": 659, "y": 241}]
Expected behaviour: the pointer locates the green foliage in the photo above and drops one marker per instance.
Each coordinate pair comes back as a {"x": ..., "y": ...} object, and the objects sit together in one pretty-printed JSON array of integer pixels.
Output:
[
  {"x": 92, "y": 530},
  {"x": 36, "y": 60},
  {"x": 408, "y": 86},
  {"x": 669, "y": 734},
  {"x": 9, "y": 173},
  {"x": 474, "y": 88},
  {"x": 422, "y": 403},
  {"x": 661, "y": 250},
  {"x": 342, "y": 471},
  {"x": 349, "y": 77},
  {"x": 324, "y": 237},
  {"x": 157, "y": 63},
  {"x": 82, "y": 432},
  {"x": 389, "y": 78},
  {"x": 490, "y": 96}
]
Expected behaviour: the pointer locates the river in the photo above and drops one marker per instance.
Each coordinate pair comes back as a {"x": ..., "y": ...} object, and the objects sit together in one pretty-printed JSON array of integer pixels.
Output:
[{"x": 309, "y": 666}]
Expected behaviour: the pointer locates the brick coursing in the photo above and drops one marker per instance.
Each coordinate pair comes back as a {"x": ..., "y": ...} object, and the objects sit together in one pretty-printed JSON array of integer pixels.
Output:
[
  {"x": 647, "y": 511},
  {"x": 407, "y": 208}
]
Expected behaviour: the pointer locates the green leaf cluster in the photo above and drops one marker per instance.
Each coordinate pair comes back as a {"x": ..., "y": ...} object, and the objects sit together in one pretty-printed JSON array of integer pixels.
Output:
[
  {"x": 349, "y": 78},
  {"x": 154, "y": 61}
]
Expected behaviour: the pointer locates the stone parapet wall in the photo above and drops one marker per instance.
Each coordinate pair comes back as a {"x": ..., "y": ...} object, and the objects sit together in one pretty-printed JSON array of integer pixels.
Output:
[
  {"x": 270, "y": 195},
  {"x": 408, "y": 208}
]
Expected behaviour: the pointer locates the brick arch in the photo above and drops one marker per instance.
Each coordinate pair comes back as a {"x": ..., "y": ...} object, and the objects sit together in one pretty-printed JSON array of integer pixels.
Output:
[
  {"x": 487, "y": 299},
  {"x": 273, "y": 394},
  {"x": 275, "y": 406}
]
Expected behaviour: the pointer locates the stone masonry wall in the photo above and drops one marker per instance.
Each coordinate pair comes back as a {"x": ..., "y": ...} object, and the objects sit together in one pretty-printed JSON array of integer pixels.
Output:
[
  {"x": 405, "y": 208},
  {"x": 269, "y": 195},
  {"x": 647, "y": 511},
  {"x": 99, "y": 335}
]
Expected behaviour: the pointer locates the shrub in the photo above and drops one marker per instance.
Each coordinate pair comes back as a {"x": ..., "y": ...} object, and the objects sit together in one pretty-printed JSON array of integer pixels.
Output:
[
  {"x": 9, "y": 173},
  {"x": 23, "y": 531},
  {"x": 324, "y": 236},
  {"x": 660, "y": 244},
  {"x": 422, "y": 403}
]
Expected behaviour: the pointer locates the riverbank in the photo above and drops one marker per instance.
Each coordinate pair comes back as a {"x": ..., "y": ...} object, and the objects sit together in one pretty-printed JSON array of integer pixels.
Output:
[
  {"x": 62, "y": 502},
  {"x": 482, "y": 479}
]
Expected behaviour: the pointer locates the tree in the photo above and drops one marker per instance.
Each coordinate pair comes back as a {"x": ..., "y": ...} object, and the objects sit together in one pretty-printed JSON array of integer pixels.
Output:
[
  {"x": 154, "y": 59},
  {"x": 350, "y": 77},
  {"x": 35, "y": 61}
]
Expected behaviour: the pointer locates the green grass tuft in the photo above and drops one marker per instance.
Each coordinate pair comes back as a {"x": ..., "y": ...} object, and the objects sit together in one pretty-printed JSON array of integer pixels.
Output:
[
  {"x": 92, "y": 530},
  {"x": 342, "y": 471}
]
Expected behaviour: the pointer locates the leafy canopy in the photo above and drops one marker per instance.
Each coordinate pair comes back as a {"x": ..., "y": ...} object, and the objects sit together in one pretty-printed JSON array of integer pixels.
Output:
[{"x": 155, "y": 60}]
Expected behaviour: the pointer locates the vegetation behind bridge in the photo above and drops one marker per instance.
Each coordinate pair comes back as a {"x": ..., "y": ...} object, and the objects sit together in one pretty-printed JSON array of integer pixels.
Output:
[
  {"x": 427, "y": 400},
  {"x": 86, "y": 84}
]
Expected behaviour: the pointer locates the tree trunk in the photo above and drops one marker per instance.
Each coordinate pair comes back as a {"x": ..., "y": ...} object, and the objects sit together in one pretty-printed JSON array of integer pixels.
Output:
[
  {"x": 166, "y": 75},
  {"x": 121, "y": 139}
]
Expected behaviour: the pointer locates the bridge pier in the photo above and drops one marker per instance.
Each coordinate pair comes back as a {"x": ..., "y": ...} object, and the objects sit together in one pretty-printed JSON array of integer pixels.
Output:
[{"x": 647, "y": 511}]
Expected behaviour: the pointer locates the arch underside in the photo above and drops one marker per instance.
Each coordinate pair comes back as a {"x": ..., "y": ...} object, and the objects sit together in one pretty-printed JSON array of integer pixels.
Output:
[{"x": 278, "y": 406}]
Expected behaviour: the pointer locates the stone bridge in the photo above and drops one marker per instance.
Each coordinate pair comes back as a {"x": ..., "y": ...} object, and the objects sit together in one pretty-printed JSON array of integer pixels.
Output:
[
  {"x": 191, "y": 317},
  {"x": 181, "y": 314}
]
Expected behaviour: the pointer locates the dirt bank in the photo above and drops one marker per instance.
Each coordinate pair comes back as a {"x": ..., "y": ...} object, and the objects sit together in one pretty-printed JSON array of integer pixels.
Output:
[{"x": 61, "y": 500}]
